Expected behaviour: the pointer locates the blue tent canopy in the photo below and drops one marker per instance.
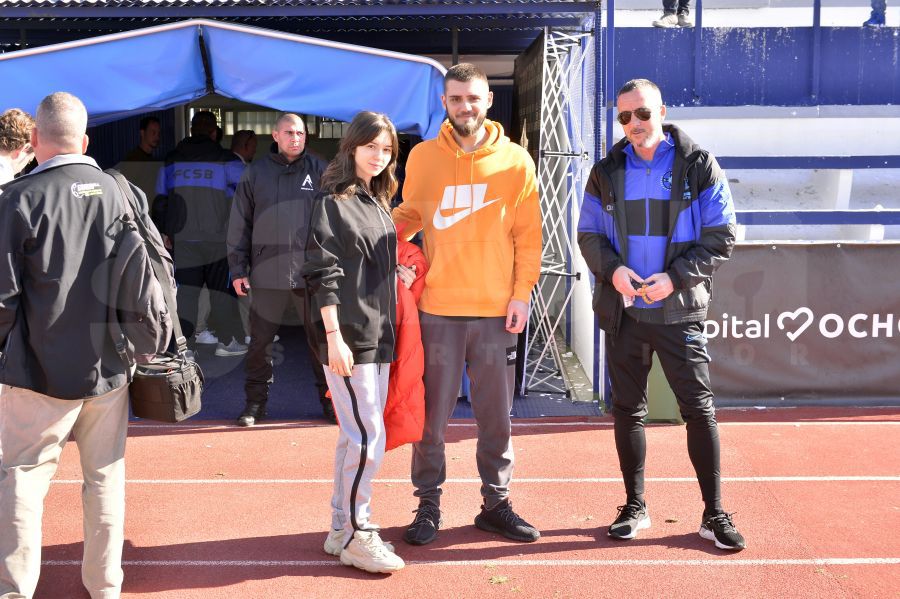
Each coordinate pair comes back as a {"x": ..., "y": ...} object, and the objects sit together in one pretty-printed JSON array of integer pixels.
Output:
[{"x": 159, "y": 67}]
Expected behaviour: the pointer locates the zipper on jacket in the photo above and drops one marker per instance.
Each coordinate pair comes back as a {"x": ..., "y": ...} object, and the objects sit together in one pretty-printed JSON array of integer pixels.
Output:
[
  {"x": 646, "y": 212},
  {"x": 387, "y": 240},
  {"x": 381, "y": 214}
]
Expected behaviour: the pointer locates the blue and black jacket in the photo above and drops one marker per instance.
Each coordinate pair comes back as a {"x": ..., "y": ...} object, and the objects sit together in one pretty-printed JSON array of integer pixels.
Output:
[
  {"x": 194, "y": 190},
  {"x": 677, "y": 217}
]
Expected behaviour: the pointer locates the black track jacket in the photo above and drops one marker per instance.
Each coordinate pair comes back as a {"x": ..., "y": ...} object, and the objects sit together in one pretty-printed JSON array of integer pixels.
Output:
[{"x": 351, "y": 262}]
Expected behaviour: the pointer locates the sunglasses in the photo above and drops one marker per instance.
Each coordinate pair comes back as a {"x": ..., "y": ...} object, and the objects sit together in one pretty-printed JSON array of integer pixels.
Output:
[{"x": 642, "y": 114}]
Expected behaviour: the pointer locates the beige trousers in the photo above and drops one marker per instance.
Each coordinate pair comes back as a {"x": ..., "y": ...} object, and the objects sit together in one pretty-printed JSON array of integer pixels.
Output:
[{"x": 34, "y": 428}]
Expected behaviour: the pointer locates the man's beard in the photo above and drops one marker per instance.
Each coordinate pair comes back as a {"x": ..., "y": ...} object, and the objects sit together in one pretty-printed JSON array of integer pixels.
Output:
[{"x": 469, "y": 128}]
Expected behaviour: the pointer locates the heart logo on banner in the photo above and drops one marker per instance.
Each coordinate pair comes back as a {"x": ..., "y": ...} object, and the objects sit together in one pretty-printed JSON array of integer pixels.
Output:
[{"x": 798, "y": 313}]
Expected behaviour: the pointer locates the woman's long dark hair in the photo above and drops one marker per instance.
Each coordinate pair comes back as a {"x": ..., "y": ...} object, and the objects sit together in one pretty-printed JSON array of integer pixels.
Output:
[{"x": 340, "y": 177}]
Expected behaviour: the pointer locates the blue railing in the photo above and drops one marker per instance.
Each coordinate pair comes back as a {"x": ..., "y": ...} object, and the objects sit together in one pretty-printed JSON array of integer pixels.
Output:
[
  {"x": 765, "y": 66},
  {"x": 818, "y": 217},
  {"x": 808, "y": 162}
]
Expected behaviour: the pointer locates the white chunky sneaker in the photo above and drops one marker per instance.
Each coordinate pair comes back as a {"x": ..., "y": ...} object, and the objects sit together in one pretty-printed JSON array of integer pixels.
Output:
[
  {"x": 367, "y": 552},
  {"x": 334, "y": 543},
  {"x": 666, "y": 21},
  {"x": 206, "y": 338}
]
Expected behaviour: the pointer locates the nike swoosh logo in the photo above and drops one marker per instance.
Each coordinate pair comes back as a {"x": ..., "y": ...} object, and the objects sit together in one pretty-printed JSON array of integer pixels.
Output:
[{"x": 442, "y": 222}]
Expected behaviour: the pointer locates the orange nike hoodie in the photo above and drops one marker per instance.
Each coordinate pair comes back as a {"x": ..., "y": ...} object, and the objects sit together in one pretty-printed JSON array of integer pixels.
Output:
[{"x": 481, "y": 220}]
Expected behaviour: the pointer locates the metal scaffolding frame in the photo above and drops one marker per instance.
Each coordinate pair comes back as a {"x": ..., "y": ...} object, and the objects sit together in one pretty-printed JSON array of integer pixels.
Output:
[{"x": 564, "y": 160}]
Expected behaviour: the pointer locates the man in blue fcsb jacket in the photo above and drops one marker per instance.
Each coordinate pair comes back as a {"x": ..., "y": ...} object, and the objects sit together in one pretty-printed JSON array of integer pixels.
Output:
[
  {"x": 192, "y": 206},
  {"x": 656, "y": 222}
]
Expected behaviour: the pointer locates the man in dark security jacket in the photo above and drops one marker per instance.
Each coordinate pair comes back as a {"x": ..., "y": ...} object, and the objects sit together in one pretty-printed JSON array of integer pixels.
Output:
[
  {"x": 192, "y": 206},
  {"x": 60, "y": 371},
  {"x": 656, "y": 222},
  {"x": 266, "y": 252}
]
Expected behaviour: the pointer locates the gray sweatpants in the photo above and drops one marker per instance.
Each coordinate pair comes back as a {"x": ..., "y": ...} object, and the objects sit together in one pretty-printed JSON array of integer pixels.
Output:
[
  {"x": 488, "y": 351},
  {"x": 359, "y": 404}
]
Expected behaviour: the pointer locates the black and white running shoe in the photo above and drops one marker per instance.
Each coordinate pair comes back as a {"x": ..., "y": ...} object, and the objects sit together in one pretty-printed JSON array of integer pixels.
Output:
[
  {"x": 632, "y": 518},
  {"x": 719, "y": 528}
]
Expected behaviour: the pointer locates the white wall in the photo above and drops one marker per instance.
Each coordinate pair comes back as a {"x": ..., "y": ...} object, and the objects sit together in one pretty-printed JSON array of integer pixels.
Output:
[{"x": 582, "y": 312}]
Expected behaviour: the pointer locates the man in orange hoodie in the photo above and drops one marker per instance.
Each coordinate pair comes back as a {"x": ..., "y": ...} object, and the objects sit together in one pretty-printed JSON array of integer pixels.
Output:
[{"x": 474, "y": 193}]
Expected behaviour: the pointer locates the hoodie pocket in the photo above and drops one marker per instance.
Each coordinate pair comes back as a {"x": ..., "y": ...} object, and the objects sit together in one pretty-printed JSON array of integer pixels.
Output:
[{"x": 471, "y": 273}]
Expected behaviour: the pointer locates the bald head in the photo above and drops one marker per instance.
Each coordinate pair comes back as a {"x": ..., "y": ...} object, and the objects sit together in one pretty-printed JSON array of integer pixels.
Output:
[
  {"x": 60, "y": 126},
  {"x": 290, "y": 135},
  {"x": 289, "y": 118}
]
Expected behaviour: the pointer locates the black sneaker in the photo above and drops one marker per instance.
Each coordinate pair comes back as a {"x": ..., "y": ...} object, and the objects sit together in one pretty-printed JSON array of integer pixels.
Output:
[
  {"x": 503, "y": 520},
  {"x": 719, "y": 528},
  {"x": 253, "y": 413},
  {"x": 425, "y": 526},
  {"x": 632, "y": 518}
]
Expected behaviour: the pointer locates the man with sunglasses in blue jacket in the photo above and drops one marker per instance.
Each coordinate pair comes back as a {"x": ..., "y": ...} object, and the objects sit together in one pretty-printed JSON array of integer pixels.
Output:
[{"x": 656, "y": 222}]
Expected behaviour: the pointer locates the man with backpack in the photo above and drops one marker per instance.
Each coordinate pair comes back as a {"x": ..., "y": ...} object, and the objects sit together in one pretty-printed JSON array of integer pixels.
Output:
[{"x": 59, "y": 366}]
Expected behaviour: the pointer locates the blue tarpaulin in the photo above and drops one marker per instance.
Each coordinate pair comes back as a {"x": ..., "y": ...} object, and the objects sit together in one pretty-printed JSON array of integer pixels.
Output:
[{"x": 159, "y": 67}]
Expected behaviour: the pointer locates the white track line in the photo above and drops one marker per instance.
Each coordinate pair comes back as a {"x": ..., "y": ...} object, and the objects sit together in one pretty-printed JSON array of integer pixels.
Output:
[
  {"x": 828, "y": 561},
  {"x": 598, "y": 424},
  {"x": 400, "y": 481}
]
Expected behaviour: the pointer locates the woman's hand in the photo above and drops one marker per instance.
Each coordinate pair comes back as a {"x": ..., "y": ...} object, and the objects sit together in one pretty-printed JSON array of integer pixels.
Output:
[
  {"x": 340, "y": 358},
  {"x": 407, "y": 274}
]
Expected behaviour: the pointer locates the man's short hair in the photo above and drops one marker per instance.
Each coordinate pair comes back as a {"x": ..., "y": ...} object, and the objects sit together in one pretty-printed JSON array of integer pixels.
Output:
[
  {"x": 289, "y": 116},
  {"x": 62, "y": 120},
  {"x": 204, "y": 123},
  {"x": 464, "y": 72},
  {"x": 240, "y": 138},
  {"x": 145, "y": 122},
  {"x": 638, "y": 83},
  {"x": 15, "y": 130}
]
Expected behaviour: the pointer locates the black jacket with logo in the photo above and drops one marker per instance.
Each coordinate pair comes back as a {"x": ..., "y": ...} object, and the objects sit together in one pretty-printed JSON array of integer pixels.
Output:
[
  {"x": 351, "y": 262},
  {"x": 57, "y": 231},
  {"x": 270, "y": 220}
]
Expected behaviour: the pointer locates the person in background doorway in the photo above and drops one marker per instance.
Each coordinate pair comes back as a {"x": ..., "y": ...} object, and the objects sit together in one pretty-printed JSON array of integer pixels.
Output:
[
  {"x": 194, "y": 196},
  {"x": 150, "y": 135},
  {"x": 267, "y": 250},
  {"x": 140, "y": 166},
  {"x": 243, "y": 144}
]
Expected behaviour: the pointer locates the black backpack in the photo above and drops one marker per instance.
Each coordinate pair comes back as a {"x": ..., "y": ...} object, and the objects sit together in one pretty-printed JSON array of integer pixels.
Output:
[
  {"x": 142, "y": 286},
  {"x": 163, "y": 385}
]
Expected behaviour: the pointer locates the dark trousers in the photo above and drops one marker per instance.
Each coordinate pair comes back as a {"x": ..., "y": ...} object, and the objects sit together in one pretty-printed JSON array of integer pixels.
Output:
[
  {"x": 682, "y": 354},
  {"x": 203, "y": 263},
  {"x": 267, "y": 308},
  {"x": 679, "y": 6}
]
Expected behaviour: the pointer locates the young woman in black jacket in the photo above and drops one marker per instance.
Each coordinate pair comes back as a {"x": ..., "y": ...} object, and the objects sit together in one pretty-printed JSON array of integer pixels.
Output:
[{"x": 351, "y": 272}]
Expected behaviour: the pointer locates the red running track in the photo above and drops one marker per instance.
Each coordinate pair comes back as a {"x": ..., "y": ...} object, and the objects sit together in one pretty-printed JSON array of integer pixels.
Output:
[{"x": 220, "y": 511}]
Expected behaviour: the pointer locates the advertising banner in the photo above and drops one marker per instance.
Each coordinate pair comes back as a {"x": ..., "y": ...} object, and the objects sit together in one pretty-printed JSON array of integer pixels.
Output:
[{"x": 794, "y": 323}]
